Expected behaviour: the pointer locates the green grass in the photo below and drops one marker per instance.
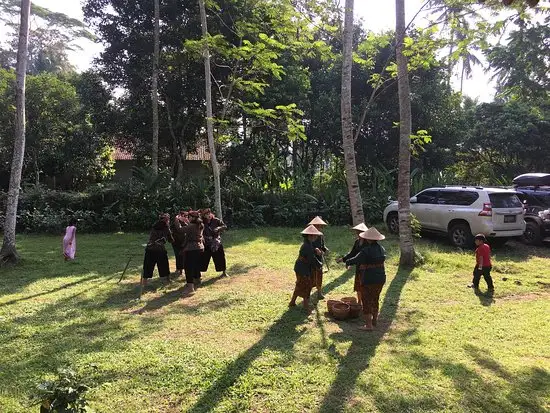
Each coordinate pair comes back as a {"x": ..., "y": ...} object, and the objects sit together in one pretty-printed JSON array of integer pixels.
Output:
[{"x": 235, "y": 346}]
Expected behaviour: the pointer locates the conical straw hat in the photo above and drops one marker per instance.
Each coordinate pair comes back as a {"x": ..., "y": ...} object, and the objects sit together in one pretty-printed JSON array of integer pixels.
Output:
[
  {"x": 317, "y": 221},
  {"x": 372, "y": 234},
  {"x": 361, "y": 227},
  {"x": 311, "y": 230}
]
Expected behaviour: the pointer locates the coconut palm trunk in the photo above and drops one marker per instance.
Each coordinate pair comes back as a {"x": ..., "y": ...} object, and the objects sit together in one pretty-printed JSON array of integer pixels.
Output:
[
  {"x": 209, "y": 115},
  {"x": 8, "y": 253},
  {"x": 154, "y": 89},
  {"x": 348, "y": 146},
  {"x": 406, "y": 244}
]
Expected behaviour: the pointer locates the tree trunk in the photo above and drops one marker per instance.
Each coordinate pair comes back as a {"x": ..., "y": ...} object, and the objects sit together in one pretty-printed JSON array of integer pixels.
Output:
[
  {"x": 8, "y": 253},
  {"x": 209, "y": 115},
  {"x": 404, "y": 179},
  {"x": 354, "y": 191},
  {"x": 154, "y": 91}
]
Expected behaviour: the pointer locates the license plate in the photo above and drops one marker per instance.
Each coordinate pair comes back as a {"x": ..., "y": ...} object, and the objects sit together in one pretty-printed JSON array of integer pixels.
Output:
[{"x": 509, "y": 218}]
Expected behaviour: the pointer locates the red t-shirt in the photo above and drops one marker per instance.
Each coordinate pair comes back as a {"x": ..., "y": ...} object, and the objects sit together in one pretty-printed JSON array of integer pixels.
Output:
[{"x": 483, "y": 251}]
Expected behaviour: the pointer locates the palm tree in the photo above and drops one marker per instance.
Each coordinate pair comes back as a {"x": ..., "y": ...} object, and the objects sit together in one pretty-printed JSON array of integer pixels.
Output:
[
  {"x": 8, "y": 253},
  {"x": 209, "y": 115},
  {"x": 154, "y": 87},
  {"x": 356, "y": 203},
  {"x": 406, "y": 244}
]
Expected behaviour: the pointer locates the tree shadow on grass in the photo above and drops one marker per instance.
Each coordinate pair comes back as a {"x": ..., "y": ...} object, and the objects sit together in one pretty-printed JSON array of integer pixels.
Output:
[
  {"x": 281, "y": 336},
  {"x": 523, "y": 391},
  {"x": 363, "y": 348}
]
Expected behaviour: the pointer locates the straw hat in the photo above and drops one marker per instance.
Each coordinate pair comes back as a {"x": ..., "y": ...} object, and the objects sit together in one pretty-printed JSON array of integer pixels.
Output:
[
  {"x": 372, "y": 234},
  {"x": 311, "y": 230},
  {"x": 317, "y": 221},
  {"x": 361, "y": 227}
]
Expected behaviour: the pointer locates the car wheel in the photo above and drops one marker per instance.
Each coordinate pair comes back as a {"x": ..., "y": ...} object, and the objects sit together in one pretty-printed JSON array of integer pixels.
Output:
[
  {"x": 393, "y": 223},
  {"x": 461, "y": 236},
  {"x": 531, "y": 236}
]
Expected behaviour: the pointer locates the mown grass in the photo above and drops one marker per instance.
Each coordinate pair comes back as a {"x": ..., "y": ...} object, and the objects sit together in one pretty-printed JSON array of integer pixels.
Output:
[{"x": 236, "y": 346}]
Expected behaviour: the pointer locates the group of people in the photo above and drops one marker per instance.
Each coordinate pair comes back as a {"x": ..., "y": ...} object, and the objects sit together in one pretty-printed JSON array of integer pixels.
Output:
[
  {"x": 196, "y": 239},
  {"x": 367, "y": 255}
]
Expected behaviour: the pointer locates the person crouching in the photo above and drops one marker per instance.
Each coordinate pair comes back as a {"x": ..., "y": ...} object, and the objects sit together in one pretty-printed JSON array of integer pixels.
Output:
[
  {"x": 373, "y": 274},
  {"x": 155, "y": 251},
  {"x": 306, "y": 264}
]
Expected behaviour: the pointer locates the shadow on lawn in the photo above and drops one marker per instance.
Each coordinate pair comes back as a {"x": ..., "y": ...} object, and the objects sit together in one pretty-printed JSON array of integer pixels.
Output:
[
  {"x": 363, "y": 348},
  {"x": 281, "y": 336}
]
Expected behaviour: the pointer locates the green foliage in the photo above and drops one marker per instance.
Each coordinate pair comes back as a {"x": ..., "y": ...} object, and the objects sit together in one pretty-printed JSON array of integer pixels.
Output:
[{"x": 65, "y": 394}]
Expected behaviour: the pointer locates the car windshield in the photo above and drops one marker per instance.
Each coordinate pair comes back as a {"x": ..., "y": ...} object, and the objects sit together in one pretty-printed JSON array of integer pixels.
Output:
[{"x": 505, "y": 200}]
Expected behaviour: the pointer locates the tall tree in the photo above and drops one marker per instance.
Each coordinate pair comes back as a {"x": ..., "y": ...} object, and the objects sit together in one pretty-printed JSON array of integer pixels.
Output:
[
  {"x": 356, "y": 203},
  {"x": 406, "y": 244},
  {"x": 8, "y": 253},
  {"x": 209, "y": 115},
  {"x": 154, "y": 92}
]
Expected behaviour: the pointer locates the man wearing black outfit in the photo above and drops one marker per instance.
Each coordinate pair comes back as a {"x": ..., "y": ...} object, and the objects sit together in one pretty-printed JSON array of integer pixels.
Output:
[{"x": 213, "y": 248}]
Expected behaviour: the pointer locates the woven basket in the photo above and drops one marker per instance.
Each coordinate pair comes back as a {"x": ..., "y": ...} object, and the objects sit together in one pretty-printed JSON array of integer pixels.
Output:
[
  {"x": 330, "y": 303},
  {"x": 355, "y": 310},
  {"x": 340, "y": 311},
  {"x": 349, "y": 300}
]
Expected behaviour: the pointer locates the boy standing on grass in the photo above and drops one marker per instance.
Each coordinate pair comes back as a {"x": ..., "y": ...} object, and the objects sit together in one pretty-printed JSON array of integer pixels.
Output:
[{"x": 483, "y": 264}]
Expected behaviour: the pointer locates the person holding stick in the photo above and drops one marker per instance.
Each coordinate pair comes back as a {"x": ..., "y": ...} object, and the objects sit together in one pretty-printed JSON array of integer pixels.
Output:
[
  {"x": 213, "y": 247},
  {"x": 193, "y": 249},
  {"x": 306, "y": 265},
  {"x": 371, "y": 260},
  {"x": 357, "y": 246},
  {"x": 321, "y": 250},
  {"x": 155, "y": 251},
  {"x": 179, "y": 240}
]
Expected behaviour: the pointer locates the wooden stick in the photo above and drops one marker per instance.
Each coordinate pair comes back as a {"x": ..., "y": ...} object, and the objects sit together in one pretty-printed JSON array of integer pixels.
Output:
[{"x": 125, "y": 268}]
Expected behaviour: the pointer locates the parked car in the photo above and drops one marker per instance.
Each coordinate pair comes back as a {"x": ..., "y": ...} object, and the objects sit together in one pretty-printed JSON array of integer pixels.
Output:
[
  {"x": 461, "y": 212},
  {"x": 534, "y": 191}
]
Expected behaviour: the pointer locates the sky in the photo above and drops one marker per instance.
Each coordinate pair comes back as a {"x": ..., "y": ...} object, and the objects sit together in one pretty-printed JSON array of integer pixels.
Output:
[{"x": 377, "y": 15}]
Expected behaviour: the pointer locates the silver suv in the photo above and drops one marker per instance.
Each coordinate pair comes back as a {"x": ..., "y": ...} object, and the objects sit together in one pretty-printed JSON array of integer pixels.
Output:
[{"x": 463, "y": 211}]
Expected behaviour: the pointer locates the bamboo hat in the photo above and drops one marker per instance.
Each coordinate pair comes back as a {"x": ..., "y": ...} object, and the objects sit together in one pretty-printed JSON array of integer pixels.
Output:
[
  {"x": 361, "y": 227},
  {"x": 372, "y": 234},
  {"x": 311, "y": 230},
  {"x": 317, "y": 221}
]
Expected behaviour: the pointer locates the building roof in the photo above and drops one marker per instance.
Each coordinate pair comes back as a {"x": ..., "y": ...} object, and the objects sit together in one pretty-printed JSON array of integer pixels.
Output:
[{"x": 200, "y": 154}]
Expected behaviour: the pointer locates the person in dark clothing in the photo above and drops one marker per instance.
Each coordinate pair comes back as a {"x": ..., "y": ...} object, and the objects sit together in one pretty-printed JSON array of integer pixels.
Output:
[
  {"x": 193, "y": 250},
  {"x": 155, "y": 251},
  {"x": 320, "y": 249},
  {"x": 373, "y": 274},
  {"x": 357, "y": 246},
  {"x": 483, "y": 264},
  {"x": 179, "y": 240},
  {"x": 305, "y": 266},
  {"x": 213, "y": 247}
]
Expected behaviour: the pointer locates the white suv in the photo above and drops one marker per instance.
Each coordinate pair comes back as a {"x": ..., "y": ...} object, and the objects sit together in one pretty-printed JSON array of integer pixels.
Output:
[{"x": 464, "y": 211}]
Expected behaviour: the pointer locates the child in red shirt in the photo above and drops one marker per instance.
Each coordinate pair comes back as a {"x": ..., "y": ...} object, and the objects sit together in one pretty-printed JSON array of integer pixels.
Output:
[{"x": 483, "y": 264}]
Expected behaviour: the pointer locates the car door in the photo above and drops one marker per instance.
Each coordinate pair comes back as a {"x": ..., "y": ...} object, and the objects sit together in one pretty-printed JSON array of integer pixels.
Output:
[
  {"x": 454, "y": 204},
  {"x": 423, "y": 208}
]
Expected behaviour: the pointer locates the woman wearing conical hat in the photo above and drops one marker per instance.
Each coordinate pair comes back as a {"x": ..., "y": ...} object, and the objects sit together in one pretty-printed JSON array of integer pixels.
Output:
[
  {"x": 306, "y": 264},
  {"x": 357, "y": 246},
  {"x": 320, "y": 249},
  {"x": 373, "y": 274}
]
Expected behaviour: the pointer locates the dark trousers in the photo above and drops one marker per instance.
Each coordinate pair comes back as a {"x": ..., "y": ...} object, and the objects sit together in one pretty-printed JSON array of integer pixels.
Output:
[
  {"x": 218, "y": 257},
  {"x": 192, "y": 265},
  {"x": 158, "y": 258},
  {"x": 178, "y": 253},
  {"x": 486, "y": 272}
]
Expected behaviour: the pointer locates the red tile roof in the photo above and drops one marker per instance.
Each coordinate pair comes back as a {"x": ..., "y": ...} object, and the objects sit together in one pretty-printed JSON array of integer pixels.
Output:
[{"x": 200, "y": 154}]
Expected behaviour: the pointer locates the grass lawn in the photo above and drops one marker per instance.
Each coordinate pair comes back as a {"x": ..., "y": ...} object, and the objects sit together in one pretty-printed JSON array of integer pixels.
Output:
[{"x": 235, "y": 346}]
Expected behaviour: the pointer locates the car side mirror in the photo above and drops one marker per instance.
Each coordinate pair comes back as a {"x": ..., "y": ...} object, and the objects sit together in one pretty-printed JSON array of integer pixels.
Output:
[{"x": 414, "y": 200}]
